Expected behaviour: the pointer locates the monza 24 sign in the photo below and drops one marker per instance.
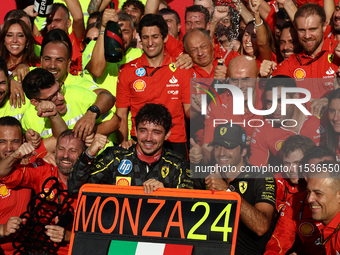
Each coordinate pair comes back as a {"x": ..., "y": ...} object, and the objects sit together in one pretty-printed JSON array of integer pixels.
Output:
[{"x": 204, "y": 220}]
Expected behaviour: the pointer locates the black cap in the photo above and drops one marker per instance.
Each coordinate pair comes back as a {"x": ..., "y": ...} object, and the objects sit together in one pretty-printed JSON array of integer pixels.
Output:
[{"x": 229, "y": 136}]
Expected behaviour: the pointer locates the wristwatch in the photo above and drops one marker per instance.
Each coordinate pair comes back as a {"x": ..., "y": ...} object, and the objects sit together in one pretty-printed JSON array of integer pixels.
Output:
[{"x": 94, "y": 109}]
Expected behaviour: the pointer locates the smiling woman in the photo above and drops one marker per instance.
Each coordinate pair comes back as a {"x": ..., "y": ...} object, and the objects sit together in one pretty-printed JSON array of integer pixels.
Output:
[{"x": 17, "y": 44}]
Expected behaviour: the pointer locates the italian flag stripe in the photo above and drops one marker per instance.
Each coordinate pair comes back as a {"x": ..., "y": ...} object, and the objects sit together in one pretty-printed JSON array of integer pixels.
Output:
[{"x": 118, "y": 247}]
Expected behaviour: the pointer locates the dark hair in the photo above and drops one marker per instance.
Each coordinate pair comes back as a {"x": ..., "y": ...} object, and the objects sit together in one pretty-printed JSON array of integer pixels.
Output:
[
  {"x": 93, "y": 25},
  {"x": 282, "y": 14},
  {"x": 95, "y": 15},
  {"x": 70, "y": 134},
  {"x": 16, "y": 14},
  {"x": 288, "y": 24},
  {"x": 55, "y": 36},
  {"x": 137, "y": 4},
  {"x": 150, "y": 20},
  {"x": 29, "y": 56},
  {"x": 56, "y": 6},
  {"x": 199, "y": 29},
  {"x": 296, "y": 142},
  {"x": 157, "y": 114},
  {"x": 170, "y": 11},
  {"x": 333, "y": 174},
  {"x": 271, "y": 41},
  {"x": 332, "y": 137},
  {"x": 317, "y": 152},
  {"x": 37, "y": 80},
  {"x": 198, "y": 8},
  {"x": 9, "y": 121},
  {"x": 279, "y": 81},
  {"x": 310, "y": 9},
  {"x": 123, "y": 16},
  {"x": 3, "y": 67}
]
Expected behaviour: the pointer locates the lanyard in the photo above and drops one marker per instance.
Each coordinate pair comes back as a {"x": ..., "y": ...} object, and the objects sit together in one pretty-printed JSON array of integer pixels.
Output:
[
  {"x": 153, "y": 72},
  {"x": 327, "y": 239}
]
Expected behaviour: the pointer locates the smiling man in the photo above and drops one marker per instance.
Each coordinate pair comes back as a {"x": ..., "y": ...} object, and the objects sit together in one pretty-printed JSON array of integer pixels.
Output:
[
  {"x": 324, "y": 200},
  {"x": 257, "y": 190},
  {"x": 146, "y": 163},
  {"x": 155, "y": 78}
]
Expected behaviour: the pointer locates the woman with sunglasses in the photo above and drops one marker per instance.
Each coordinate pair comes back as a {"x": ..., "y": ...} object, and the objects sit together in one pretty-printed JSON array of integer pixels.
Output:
[{"x": 91, "y": 33}]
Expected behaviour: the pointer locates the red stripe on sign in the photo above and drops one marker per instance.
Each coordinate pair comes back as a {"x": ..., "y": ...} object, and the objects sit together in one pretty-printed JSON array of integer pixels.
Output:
[
  {"x": 171, "y": 249},
  {"x": 114, "y": 36}
]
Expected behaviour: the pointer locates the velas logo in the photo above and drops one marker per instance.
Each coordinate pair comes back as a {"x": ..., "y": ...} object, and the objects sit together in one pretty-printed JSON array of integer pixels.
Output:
[
  {"x": 205, "y": 88},
  {"x": 239, "y": 100}
]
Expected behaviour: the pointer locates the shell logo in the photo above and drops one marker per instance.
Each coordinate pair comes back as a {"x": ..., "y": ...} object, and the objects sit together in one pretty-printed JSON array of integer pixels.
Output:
[
  {"x": 123, "y": 181},
  {"x": 306, "y": 228},
  {"x": 4, "y": 191},
  {"x": 139, "y": 85},
  {"x": 278, "y": 145},
  {"x": 299, "y": 73}
]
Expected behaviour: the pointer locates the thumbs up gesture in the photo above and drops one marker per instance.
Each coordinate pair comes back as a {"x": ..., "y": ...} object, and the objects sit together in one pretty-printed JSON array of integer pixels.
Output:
[{"x": 195, "y": 153}]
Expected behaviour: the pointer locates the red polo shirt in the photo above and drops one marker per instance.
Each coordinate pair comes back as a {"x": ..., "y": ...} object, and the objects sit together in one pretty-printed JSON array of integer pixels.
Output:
[
  {"x": 333, "y": 245},
  {"x": 268, "y": 139},
  {"x": 138, "y": 84},
  {"x": 33, "y": 176},
  {"x": 302, "y": 67}
]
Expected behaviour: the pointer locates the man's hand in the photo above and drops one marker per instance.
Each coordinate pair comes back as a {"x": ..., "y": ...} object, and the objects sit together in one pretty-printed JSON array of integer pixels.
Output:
[
  {"x": 85, "y": 125},
  {"x": 195, "y": 102},
  {"x": 267, "y": 68},
  {"x": 55, "y": 232},
  {"x": 46, "y": 109},
  {"x": 127, "y": 144},
  {"x": 184, "y": 61},
  {"x": 21, "y": 71},
  {"x": 17, "y": 94},
  {"x": 98, "y": 143},
  {"x": 33, "y": 138},
  {"x": 220, "y": 13},
  {"x": 215, "y": 182},
  {"x": 254, "y": 5},
  {"x": 50, "y": 158},
  {"x": 26, "y": 150},
  {"x": 30, "y": 11},
  {"x": 195, "y": 153},
  {"x": 11, "y": 226},
  {"x": 109, "y": 14},
  {"x": 152, "y": 185},
  {"x": 318, "y": 106},
  {"x": 220, "y": 71}
]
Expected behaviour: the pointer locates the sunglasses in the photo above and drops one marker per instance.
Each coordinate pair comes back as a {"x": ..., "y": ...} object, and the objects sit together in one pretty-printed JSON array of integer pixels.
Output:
[{"x": 87, "y": 40}]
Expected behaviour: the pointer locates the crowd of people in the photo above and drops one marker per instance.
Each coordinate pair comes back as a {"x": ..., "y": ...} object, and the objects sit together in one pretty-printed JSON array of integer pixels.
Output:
[{"x": 248, "y": 86}]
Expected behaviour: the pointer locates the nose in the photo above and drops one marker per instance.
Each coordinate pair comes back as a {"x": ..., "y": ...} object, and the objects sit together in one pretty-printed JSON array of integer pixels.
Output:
[
  {"x": 15, "y": 38},
  {"x": 223, "y": 151},
  {"x": 150, "y": 41},
  {"x": 307, "y": 34},
  {"x": 9, "y": 147},
  {"x": 337, "y": 116},
  {"x": 310, "y": 197}
]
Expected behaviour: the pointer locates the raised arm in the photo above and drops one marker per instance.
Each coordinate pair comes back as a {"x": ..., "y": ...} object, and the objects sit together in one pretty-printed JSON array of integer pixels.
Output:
[
  {"x": 243, "y": 11},
  {"x": 78, "y": 18}
]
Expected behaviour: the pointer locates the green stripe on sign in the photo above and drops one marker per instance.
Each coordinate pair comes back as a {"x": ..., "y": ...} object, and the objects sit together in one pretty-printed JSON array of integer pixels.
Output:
[{"x": 122, "y": 248}]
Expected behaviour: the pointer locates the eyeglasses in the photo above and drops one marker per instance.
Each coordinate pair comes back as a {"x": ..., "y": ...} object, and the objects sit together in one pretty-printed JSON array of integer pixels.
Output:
[
  {"x": 53, "y": 98},
  {"x": 87, "y": 40}
]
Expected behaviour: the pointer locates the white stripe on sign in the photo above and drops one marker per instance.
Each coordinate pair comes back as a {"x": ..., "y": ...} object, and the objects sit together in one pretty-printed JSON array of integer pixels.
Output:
[{"x": 150, "y": 248}]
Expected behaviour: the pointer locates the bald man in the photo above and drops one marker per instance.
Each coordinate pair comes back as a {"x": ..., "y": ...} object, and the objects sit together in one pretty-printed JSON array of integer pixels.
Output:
[{"x": 242, "y": 73}]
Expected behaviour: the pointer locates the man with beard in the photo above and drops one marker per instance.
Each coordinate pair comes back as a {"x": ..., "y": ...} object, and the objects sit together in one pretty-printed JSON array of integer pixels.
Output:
[
  {"x": 33, "y": 176},
  {"x": 269, "y": 137},
  {"x": 5, "y": 107},
  {"x": 317, "y": 60},
  {"x": 257, "y": 190},
  {"x": 135, "y": 9},
  {"x": 146, "y": 163},
  {"x": 224, "y": 29}
]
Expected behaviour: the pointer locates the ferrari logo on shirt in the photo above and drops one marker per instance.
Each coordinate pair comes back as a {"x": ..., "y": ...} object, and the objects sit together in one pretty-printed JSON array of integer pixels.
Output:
[
  {"x": 243, "y": 185},
  {"x": 330, "y": 58},
  {"x": 173, "y": 67},
  {"x": 299, "y": 74},
  {"x": 306, "y": 228},
  {"x": 4, "y": 191},
  {"x": 165, "y": 171},
  {"x": 123, "y": 181},
  {"x": 223, "y": 131},
  {"x": 139, "y": 85}
]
